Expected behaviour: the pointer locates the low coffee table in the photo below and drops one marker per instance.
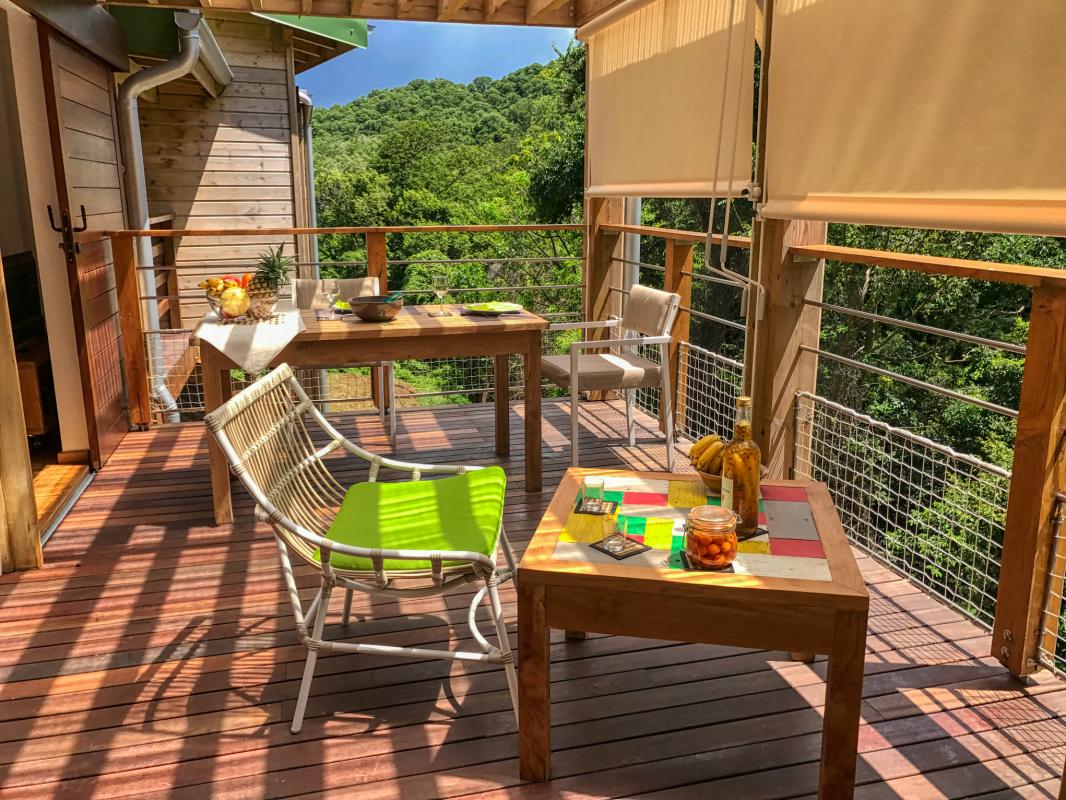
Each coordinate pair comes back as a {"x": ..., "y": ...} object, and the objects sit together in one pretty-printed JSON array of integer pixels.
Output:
[{"x": 796, "y": 588}]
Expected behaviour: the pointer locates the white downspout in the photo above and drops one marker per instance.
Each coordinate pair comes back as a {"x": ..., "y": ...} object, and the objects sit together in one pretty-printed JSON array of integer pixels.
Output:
[
  {"x": 308, "y": 107},
  {"x": 136, "y": 186},
  {"x": 631, "y": 209}
]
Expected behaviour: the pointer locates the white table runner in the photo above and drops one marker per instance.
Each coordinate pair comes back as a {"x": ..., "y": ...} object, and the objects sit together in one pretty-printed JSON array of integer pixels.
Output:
[{"x": 251, "y": 344}]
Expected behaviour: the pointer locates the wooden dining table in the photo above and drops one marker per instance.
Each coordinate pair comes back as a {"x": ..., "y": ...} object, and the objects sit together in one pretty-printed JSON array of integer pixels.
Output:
[{"x": 413, "y": 334}]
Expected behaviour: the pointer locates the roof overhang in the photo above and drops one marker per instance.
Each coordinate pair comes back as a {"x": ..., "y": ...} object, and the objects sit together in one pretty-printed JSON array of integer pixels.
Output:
[
  {"x": 152, "y": 37},
  {"x": 545, "y": 13}
]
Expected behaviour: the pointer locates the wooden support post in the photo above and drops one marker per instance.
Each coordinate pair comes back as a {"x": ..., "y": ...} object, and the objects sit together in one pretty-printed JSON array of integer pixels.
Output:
[
  {"x": 20, "y": 543},
  {"x": 678, "y": 279},
  {"x": 1039, "y": 471},
  {"x": 129, "y": 317},
  {"x": 377, "y": 266},
  {"x": 779, "y": 367},
  {"x": 603, "y": 275}
]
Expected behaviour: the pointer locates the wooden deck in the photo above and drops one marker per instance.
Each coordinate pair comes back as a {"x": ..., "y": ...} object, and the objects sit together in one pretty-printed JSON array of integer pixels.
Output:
[{"x": 155, "y": 656}]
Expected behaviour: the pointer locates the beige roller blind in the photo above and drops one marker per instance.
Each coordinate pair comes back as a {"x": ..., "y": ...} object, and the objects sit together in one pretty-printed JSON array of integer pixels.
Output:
[
  {"x": 656, "y": 88},
  {"x": 926, "y": 113}
]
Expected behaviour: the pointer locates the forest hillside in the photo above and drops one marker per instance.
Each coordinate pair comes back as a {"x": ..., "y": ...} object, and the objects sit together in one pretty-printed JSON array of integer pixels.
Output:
[{"x": 510, "y": 151}]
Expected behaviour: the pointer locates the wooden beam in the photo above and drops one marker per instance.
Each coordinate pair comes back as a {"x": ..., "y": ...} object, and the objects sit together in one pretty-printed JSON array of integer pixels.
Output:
[
  {"x": 20, "y": 544},
  {"x": 1039, "y": 471},
  {"x": 206, "y": 79},
  {"x": 364, "y": 229},
  {"x": 675, "y": 235},
  {"x": 356, "y": 8},
  {"x": 781, "y": 367},
  {"x": 448, "y": 9},
  {"x": 128, "y": 288},
  {"x": 678, "y": 279},
  {"x": 956, "y": 267},
  {"x": 306, "y": 7},
  {"x": 404, "y": 9},
  {"x": 538, "y": 10},
  {"x": 491, "y": 8}
]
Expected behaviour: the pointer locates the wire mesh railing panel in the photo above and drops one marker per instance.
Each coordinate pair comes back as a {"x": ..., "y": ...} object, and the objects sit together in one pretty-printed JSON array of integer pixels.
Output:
[
  {"x": 1051, "y": 650},
  {"x": 708, "y": 386},
  {"x": 933, "y": 514}
]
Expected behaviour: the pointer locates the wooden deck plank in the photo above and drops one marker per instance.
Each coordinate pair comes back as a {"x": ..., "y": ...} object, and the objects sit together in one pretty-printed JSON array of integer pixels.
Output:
[{"x": 155, "y": 656}]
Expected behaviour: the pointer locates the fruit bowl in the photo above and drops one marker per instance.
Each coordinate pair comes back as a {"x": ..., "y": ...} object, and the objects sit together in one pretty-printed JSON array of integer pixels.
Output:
[
  {"x": 376, "y": 308},
  {"x": 713, "y": 482}
]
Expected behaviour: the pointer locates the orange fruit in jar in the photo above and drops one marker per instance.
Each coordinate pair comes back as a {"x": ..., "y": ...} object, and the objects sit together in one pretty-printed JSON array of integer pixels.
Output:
[
  {"x": 727, "y": 546},
  {"x": 714, "y": 549}
]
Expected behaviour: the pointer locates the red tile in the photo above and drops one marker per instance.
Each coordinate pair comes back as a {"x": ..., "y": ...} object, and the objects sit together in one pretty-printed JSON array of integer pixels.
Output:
[
  {"x": 790, "y": 494},
  {"x": 645, "y": 499},
  {"x": 796, "y": 547}
]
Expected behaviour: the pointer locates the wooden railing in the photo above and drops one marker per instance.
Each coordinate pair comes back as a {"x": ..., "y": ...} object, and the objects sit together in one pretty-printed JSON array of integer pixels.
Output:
[
  {"x": 167, "y": 294},
  {"x": 781, "y": 360}
]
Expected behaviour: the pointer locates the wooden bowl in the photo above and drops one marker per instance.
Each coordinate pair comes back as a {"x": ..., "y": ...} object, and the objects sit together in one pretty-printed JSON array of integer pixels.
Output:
[
  {"x": 713, "y": 482},
  {"x": 375, "y": 308}
]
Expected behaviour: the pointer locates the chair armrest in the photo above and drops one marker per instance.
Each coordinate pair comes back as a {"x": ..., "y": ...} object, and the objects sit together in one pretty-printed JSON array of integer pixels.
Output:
[
  {"x": 407, "y": 466},
  {"x": 584, "y": 326},
  {"x": 631, "y": 342}
]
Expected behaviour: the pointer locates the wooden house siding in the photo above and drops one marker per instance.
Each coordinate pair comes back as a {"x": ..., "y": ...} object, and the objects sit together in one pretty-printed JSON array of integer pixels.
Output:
[{"x": 225, "y": 162}]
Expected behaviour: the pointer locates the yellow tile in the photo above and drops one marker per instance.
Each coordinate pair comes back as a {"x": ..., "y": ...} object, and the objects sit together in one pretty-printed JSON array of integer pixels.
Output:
[
  {"x": 583, "y": 528},
  {"x": 754, "y": 547},
  {"x": 659, "y": 533},
  {"x": 687, "y": 494}
]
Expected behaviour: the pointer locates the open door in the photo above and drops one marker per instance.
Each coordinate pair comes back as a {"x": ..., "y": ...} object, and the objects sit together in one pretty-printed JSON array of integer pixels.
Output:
[{"x": 81, "y": 121}]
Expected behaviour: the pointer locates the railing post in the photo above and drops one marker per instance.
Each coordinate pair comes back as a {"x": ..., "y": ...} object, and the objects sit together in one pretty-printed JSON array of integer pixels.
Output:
[
  {"x": 603, "y": 274},
  {"x": 377, "y": 266},
  {"x": 777, "y": 365},
  {"x": 20, "y": 543},
  {"x": 129, "y": 316},
  {"x": 678, "y": 279},
  {"x": 1038, "y": 473}
]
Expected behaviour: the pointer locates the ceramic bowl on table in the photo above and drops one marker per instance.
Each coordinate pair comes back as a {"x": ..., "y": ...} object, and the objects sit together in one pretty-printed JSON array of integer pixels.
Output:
[
  {"x": 376, "y": 308},
  {"x": 712, "y": 482}
]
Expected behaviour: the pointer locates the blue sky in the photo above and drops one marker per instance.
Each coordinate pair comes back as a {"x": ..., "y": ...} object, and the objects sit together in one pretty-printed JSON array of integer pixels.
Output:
[{"x": 399, "y": 52}]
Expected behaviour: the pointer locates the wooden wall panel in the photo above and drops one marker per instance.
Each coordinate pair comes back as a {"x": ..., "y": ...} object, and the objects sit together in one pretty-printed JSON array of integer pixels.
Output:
[{"x": 224, "y": 162}]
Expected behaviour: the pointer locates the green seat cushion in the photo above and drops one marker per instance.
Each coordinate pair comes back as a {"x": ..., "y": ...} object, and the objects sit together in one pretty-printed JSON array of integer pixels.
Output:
[{"x": 460, "y": 512}]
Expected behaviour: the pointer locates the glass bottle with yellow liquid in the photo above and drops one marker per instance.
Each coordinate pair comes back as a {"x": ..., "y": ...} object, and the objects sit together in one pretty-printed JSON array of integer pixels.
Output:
[{"x": 740, "y": 471}]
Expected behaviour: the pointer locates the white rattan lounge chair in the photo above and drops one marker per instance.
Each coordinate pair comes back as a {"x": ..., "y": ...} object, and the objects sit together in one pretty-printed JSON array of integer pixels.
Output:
[
  {"x": 403, "y": 539},
  {"x": 646, "y": 322}
]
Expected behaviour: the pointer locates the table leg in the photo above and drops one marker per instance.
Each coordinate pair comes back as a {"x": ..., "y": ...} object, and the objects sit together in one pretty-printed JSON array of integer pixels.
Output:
[
  {"x": 840, "y": 727},
  {"x": 503, "y": 406},
  {"x": 215, "y": 390},
  {"x": 533, "y": 422},
  {"x": 534, "y": 685}
]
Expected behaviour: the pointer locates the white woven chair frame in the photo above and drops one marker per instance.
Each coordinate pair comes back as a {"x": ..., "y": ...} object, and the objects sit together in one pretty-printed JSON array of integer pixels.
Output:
[
  {"x": 263, "y": 434},
  {"x": 627, "y": 341}
]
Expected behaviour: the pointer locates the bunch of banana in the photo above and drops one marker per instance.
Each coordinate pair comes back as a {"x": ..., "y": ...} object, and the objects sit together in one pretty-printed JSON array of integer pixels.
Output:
[{"x": 706, "y": 454}]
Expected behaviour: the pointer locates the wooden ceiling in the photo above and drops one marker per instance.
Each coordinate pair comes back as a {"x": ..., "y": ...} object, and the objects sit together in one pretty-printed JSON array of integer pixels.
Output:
[{"x": 549, "y": 13}]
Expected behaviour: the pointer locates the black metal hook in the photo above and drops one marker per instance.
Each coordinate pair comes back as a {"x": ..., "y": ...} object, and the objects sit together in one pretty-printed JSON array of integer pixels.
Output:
[
  {"x": 52, "y": 221},
  {"x": 84, "y": 223}
]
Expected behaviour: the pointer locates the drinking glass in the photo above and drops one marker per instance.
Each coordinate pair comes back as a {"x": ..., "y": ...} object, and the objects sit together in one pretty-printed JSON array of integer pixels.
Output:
[
  {"x": 593, "y": 495},
  {"x": 614, "y": 534},
  {"x": 332, "y": 292},
  {"x": 439, "y": 283}
]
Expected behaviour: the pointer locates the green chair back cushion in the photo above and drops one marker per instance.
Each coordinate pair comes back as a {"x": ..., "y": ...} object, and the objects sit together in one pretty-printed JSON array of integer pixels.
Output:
[{"x": 460, "y": 512}]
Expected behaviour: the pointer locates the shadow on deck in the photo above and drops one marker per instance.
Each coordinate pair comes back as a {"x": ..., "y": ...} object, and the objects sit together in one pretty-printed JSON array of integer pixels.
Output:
[{"x": 155, "y": 656}]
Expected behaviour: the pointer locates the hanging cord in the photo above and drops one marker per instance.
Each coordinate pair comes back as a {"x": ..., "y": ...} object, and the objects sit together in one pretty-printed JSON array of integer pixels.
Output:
[{"x": 742, "y": 280}]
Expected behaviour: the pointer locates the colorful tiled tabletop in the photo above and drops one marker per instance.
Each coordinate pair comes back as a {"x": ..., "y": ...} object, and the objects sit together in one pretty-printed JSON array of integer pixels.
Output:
[{"x": 653, "y": 512}]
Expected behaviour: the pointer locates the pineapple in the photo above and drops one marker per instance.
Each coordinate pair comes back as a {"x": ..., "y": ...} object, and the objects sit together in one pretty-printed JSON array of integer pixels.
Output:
[{"x": 271, "y": 273}]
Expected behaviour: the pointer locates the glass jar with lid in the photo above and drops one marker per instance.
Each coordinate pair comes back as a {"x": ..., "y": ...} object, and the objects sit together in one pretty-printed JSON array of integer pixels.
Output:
[{"x": 711, "y": 537}]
